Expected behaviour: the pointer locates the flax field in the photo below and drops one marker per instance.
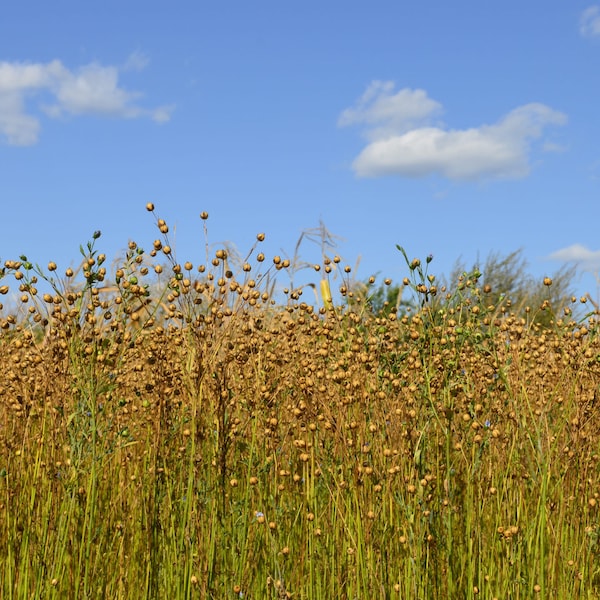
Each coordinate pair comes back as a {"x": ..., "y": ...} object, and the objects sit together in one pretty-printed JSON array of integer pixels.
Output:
[{"x": 184, "y": 429}]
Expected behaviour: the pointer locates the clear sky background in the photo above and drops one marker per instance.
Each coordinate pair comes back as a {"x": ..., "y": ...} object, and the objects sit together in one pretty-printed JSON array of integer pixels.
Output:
[{"x": 451, "y": 128}]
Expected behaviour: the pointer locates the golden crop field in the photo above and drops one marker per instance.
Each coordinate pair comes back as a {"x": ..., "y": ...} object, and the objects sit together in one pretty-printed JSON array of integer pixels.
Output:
[{"x": 171, "y": 430}]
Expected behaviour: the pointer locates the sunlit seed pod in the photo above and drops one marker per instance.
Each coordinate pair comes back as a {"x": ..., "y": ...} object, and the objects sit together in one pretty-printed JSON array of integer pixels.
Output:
[
  {"x": 277, "y": 260},
  {"x": 547, "y": 281},
  {"x": 347, "y": 269},
  {"x": 221, "y": 254},
  {"x": 18, "y": 275},
  {"x": 149, "y": 207},
  {"x": 24, "y": 298},
  {"x": 387, "y": 281},
  {"x": 260, "y": 257},
  {"x": 204, "y": 215},
  {"x": 260, "y": 237},
  {"x": 310, "y": 516},
  {"x": 4, "y": 289},
  {"x": 167, "y": 249},
  {"x": 246, "y": 267},
  {"x": 233, "y": 482},
  {"x": 132, "y": 245}
]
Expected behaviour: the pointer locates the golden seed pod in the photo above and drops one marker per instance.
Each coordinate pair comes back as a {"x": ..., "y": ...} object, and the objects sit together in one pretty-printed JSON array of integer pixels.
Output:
[
  {"x": 221, "y": 254},
  {"x": 246, "y": 267},
  {"x": 260, "y": 257},
  {"x": 4, "y": 289},
  {"x": 167, "y": 249},
  {"x": 547, "y": 281},
  {"x": 51, "y": 266},
  {"x": 276, "y": 259},
  {"x": 149, "y": 207},
  {"x": 69, "y": 272},
  {"x": 204, "y": 215},
  {"x": 260, "y": 237}
]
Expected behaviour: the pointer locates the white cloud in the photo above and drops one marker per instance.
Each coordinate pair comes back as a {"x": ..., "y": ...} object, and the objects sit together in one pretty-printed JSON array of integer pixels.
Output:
[
  {"x": 91, "y": 89},
  {"x": 589, "y": 260},
  {"x": 404, "y": 141},
  {"x": 389, "y": 114},
  {"x": 136, "y": 61},
  {"x": 589, "y": 23}
]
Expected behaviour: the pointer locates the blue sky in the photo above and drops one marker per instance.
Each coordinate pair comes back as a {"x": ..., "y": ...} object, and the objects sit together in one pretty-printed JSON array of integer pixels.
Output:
[{"x": 454, "y": 129}]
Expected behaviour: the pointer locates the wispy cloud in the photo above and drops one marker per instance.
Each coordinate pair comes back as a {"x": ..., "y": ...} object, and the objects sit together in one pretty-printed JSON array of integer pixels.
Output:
[
  {"x": 92, "y": 89},
  {"x": 589, "y": 22},
  {"x": 589, "y": 260},
  {"x": 405, "y": 138}
]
